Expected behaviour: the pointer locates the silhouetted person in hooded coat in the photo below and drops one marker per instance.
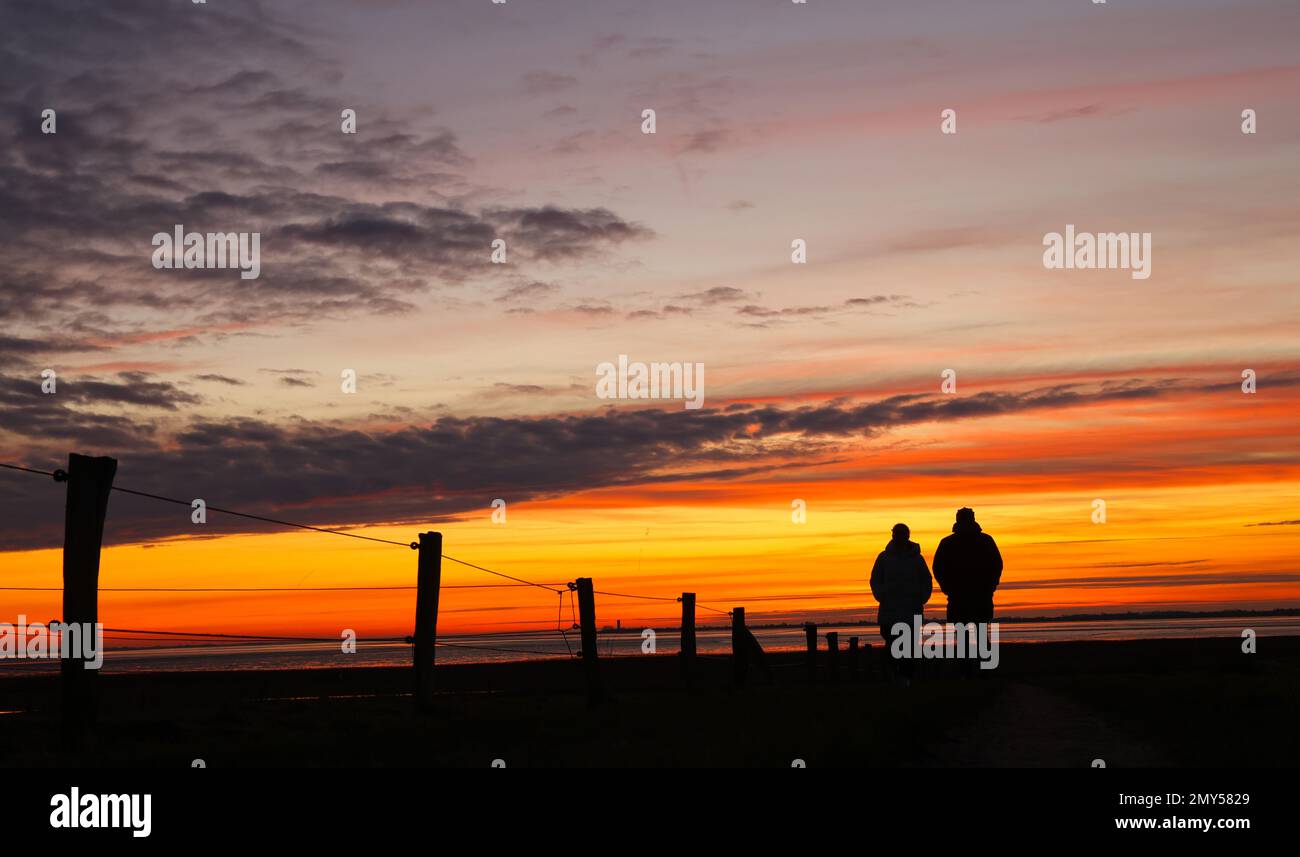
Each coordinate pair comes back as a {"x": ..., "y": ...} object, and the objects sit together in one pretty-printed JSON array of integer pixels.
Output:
[
  {"x": 968, "y": 567},
  {"x": 901, "y": 584}
]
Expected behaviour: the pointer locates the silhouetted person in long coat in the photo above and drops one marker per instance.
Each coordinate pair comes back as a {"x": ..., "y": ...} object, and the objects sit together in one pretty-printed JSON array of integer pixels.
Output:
[
  {"x": 901, "y": 584},
  {"x": 968, "y": 567}
]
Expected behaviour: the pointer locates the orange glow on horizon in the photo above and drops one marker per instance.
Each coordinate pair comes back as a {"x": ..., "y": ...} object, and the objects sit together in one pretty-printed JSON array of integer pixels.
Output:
[{"x": 1182, "y": 531}]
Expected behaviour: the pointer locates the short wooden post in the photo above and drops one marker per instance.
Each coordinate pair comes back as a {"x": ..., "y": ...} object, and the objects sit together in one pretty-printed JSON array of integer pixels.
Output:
[
  {"x": 428, "y": 585},
  {"x": 687, "y": 653},
  {"x": 587, "y": 620},
  {"x": 853, "y": 657},
  {"x": 90, "y": 480},
  {"x": 810, "y": 634},
  {"x": 739, "y": 646},
  {"x": 833, "y": 655}
]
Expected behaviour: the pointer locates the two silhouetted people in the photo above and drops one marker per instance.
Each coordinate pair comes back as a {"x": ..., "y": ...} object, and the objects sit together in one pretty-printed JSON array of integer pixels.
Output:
[{"x": 967, "y": 567}]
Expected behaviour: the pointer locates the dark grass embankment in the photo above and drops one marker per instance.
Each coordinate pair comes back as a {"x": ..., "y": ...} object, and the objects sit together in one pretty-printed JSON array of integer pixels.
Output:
[{"x": 1159, "y": 702}]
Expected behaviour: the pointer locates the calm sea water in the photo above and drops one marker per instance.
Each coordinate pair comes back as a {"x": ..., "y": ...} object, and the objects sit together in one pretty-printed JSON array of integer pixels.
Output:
[{"x": 489, "y": 648}]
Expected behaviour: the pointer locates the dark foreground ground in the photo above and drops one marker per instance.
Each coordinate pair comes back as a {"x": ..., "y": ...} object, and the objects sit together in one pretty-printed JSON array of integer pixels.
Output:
[{"x": 1150, "y": 703}]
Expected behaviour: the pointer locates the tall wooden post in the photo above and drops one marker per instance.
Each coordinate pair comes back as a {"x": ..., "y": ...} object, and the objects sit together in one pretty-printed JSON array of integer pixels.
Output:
[
  {"x": 853, "y": 657},
  {"x": 810, "y": 634},
  {"x": 587, "y": 618},
  {"x": 833, "y": 654},
  {"x": 428, "y": 584},
  {"x": 90, "y": 480},
  {"x": 687, "y": 653}
]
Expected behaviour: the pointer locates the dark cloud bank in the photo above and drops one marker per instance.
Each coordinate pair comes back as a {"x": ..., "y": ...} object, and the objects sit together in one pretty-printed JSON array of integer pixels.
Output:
[{"x": 326, "y": 474}]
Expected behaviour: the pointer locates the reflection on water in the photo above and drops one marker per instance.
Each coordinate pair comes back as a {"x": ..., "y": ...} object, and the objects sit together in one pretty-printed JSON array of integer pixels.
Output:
[{"x": 543, "y": 645}]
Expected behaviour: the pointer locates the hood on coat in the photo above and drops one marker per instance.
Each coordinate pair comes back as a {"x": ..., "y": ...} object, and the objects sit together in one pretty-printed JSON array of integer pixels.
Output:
[
  {"x": 966, "y": 521},
  {"x": 903, "y": 546}
]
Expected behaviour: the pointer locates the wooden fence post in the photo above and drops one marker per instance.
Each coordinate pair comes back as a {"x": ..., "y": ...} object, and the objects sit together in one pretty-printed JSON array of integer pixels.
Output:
[
  {"x": 810, "y": 634},
  {"x": 687, "y": 653},
  {"x": 428, "y": 585},
  {"x": 853, "y": 657},
  {"x": 90, "y": 480},
  {"x": 833, "y": 655},
  {"x": 757, "y": 656},
  {"x": 587, "y": 618},
  {"x": 739, "y": 646}
]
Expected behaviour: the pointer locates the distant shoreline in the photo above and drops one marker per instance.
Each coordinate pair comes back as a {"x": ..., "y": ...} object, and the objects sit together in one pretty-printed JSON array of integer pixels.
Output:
[{"x": 1011, "y": 620}]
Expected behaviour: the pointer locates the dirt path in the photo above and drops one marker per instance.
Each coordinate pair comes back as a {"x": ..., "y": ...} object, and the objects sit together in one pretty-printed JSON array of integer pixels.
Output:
[{"x": 1029, "y": 727}]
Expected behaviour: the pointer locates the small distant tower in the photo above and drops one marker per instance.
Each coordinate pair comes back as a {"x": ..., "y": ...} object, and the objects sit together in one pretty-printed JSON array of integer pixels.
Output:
[{"x": 618, "y": 624}]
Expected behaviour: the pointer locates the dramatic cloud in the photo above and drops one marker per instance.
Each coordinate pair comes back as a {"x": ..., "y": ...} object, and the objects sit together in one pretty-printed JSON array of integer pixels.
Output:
[{"x": 352, "y": 224}]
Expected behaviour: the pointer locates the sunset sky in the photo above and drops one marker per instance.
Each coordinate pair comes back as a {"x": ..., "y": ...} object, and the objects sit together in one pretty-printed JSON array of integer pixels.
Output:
[{"x": 775, "y": 121}]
